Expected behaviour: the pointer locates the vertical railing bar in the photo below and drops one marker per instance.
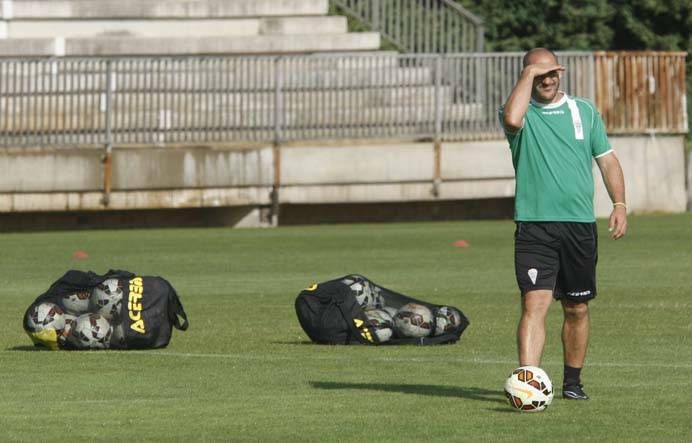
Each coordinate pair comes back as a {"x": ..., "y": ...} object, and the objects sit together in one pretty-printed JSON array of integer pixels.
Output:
[
  {"x": 208, "y": 97},
  {"x": 6, "y": 100},
  {"x": 216, "y": 122},
  {"x": 278, "y": 102},
  {"x": 64, "y": 133},
  {"x": 107, "y": 158},
  {"x": 37, "y": 99},
  {"x": 138, "y": 80},
  {"x": 69, "y": 101}
]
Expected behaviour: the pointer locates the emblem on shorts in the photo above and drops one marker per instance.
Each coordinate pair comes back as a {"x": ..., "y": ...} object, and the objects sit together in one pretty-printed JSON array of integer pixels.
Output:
[{"x": 533, "y": 273}]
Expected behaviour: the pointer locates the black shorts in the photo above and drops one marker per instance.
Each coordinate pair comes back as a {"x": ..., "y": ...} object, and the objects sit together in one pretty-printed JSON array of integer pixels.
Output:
[{"x": 559, "y": 256}]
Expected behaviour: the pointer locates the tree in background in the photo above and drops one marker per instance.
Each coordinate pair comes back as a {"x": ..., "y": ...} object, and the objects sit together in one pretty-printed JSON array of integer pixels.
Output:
[
  {"x": 585, "y": 24},
  {"x": 664, "y": 25},
  {"x": 517, "y": 26}
]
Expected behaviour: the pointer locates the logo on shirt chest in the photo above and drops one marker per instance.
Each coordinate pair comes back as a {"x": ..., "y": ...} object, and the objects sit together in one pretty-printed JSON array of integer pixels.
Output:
[{"x": 553, "y": 112}]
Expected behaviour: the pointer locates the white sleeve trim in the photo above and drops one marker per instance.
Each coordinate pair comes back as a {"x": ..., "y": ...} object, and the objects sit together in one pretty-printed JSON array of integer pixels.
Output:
[{"x": 609, "y": 151}]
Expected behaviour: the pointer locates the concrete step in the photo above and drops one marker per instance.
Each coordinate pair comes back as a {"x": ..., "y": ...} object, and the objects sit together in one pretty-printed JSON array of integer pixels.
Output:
[
  {"x": 237, "y": 120},
  {"x": 301, "y": 25},
  {"x": 327, "y": 81},
  {"x": 90, "y": 9},
  {"x": 217, "y": 101},
  {"x": 166, "y": 28},
  {"x": 120, "y": 46},
  {"x": 292, "y": 68}
]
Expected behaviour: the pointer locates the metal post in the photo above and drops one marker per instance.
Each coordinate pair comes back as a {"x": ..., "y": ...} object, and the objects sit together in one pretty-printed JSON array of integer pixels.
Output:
[
  {"x": 276, "y": 151},
  {"x": 376, "y": 16},
  {"x": 437, "y": 138},
  {"x": 480, "y": 38},
  {"x": 107, "y": 155}
]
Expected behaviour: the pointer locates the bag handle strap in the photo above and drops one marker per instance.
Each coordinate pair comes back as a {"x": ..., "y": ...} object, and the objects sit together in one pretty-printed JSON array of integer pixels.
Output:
[{"x": 176, "y": 311}]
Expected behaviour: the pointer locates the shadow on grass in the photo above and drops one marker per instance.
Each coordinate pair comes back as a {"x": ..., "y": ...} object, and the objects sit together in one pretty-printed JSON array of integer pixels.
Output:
[
  {"x": 289, "y": 342},
  {"x": 27, "y": 348},
  {"x": 434, "y": 390}
]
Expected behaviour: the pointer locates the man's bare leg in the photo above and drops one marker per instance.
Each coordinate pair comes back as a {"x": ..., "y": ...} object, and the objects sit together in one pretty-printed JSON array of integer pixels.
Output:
[{"x": 531, "y": 330}]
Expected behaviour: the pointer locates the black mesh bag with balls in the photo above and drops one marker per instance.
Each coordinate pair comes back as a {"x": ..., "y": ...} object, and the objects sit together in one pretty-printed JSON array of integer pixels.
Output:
[
  {"x": 354, "y": 310},
  {"x": 118, "y": 310}
]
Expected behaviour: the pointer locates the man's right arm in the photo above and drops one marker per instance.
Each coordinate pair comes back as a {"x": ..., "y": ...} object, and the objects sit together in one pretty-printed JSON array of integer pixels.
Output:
[{"x": 518, "y": 101}]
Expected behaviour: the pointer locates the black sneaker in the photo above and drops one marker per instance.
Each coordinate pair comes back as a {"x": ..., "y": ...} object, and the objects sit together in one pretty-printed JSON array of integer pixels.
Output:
[{"x": 574, "y": 392}]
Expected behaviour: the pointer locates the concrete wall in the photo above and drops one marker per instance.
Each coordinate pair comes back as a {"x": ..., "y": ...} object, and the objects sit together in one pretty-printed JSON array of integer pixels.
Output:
[
  {"x": 318, "y": 173},
  {"x": 143, "y": 178},
  {"x": 172, "y": 28},
  {"x": 654, "y": 168},
  {"x": 152, "y": 27},
  {"x": 86, "y": 9},
  {"x": 689, "y": 180}
]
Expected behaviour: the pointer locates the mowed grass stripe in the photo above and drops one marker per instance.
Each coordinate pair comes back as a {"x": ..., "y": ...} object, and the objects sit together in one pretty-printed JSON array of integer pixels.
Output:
[
  {"x": 243, "y": 372},
  {"x": 402, "y": 360}
]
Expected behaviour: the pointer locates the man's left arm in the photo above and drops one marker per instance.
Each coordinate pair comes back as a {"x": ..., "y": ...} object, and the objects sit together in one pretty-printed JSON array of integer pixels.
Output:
[{"x": 615, "y": 184}]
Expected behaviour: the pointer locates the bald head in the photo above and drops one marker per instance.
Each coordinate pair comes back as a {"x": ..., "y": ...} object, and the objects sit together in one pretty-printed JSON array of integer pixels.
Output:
[{"x": 539, "y": 55}]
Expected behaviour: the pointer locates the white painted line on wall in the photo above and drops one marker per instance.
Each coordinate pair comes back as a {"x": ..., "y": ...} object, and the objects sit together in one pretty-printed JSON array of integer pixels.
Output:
[
  {"x": 7, "y": 9},
  {"x": 59, "y": 46}
]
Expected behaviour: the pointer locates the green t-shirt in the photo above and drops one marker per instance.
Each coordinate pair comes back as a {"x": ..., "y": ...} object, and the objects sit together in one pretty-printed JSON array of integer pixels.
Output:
[{"x": 552, "y": 155}]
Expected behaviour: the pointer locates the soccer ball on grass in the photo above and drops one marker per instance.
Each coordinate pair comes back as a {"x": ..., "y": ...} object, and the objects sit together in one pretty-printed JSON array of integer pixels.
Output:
[
  {"x": 447, "y": 319},
  {"x": 106, "y": 298},
  {"x": 367, "y": 295},
  {"x": 45, "y": 315},
  {"x": 529, "y": 389},
  {"x": 90, "y": 331},
  {"x": 413, "y": 320},
  {"x": 76, "y": 303},
  {"x": 381, "y": 322}
]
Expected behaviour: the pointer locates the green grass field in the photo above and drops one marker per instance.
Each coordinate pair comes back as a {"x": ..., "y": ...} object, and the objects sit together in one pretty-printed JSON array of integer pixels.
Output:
[{"x": 244, "y": 371}]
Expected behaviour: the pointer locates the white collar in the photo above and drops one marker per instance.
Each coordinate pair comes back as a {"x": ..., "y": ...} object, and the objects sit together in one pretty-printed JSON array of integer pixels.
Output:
[{"x": 556, "y": 104}]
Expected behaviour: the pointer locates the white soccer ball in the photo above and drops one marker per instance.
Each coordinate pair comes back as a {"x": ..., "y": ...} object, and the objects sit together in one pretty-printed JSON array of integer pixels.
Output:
[
  {"x": 367, "y": 295},
  {"x": 529, "y": 389},
  {"x": 46, "y": 315},
  {"x": 76, "y": 303},
  {"x": 106, "y": 298},
  {"x": 413, "y": 320},
  {"x": 69, "y": 323},
  {"x": 381, "y": 323},
  {"x": 447, "y": 319},
  {"x": 90, "y": 331}
]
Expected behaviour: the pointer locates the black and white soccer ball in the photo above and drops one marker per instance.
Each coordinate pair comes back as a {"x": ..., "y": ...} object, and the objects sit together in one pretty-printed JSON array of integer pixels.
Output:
[
  {"x": 413, "y": 320},
  {"x": 106, "y": 298},
  {"x": 367, "y": 295},
  {"x": 45, "y": 315},
  {"x": 447, "y": 319},
  {"x": 76, "y": 303},
  {"x": 90, "y": 331},
  {"x": 381, "y": 323},
  {"x": 70, "y": 320},
  {"x": 529, "y": 389}
]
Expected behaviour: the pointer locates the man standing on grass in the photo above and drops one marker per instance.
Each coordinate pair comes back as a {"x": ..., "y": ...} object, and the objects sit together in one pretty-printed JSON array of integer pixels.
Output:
[{"x": 553, "y": 138}]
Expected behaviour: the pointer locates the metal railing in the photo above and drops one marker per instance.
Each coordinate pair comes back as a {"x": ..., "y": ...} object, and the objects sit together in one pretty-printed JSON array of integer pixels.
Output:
[
  {"x": 126, "y": 101},
  {"x": 419, "y": 26}
]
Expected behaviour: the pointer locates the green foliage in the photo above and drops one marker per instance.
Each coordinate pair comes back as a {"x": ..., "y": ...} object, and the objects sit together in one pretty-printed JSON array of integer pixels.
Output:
[
  {"x": 647, "y": 24},
  {"x": 516, "y": 26},
  {"x": 589, "y": 25},
  {"x": 585, "y": 24},
  {"x": 244, "y": 372}
]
